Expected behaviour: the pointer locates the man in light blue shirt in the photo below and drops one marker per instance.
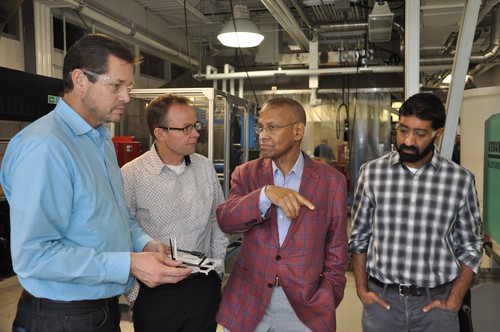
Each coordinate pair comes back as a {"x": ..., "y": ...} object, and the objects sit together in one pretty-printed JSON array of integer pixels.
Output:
[
  {"x": 75, "y": 247},
  {"x": 289, "y": 181}
]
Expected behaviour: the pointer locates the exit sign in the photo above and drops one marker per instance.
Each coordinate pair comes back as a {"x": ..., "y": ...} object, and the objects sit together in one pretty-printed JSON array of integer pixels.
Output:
[{"x": 52, "y": 99}]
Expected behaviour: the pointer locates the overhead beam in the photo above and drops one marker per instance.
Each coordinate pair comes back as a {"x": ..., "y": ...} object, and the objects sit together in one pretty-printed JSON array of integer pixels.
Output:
[
  {"x": 458, "y": 73},
  {"x": 412, "y": 48}
]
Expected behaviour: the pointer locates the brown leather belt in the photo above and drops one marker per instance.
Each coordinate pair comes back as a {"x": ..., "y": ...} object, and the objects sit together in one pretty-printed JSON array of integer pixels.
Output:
[
  {"x": 411, "y": 290},
  {"x": 28, "y": 297}
]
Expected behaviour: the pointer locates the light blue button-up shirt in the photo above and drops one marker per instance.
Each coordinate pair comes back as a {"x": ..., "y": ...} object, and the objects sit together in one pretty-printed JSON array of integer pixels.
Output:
[
  {"x": 71, "y": 232},
  {"x": 290, "y": 181}
]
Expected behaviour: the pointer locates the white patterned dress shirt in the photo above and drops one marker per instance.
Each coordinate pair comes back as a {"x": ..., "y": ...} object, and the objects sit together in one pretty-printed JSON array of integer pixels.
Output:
[{"x": 183, "y": 206}]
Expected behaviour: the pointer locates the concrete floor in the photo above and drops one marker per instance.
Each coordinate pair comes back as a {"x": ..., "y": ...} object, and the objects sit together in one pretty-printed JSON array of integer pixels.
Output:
[{"x": 348, "y": 314}]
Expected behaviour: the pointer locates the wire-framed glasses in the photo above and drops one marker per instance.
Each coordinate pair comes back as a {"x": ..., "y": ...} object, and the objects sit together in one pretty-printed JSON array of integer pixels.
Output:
[
  {"x": 404, "y": 131},
  {"x": 259, "y": 129},
  {"x": 114, "y": 85},
  {"x": 186, "y": 130}
]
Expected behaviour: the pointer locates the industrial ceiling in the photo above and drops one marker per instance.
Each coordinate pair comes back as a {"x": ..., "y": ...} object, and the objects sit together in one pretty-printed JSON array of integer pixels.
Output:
[
  {"x": 341, "y": 29},
  {"x": 294, "y": 29}
]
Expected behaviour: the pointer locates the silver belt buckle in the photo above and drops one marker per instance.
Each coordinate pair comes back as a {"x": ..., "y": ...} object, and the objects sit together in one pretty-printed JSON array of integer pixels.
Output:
[{"x": 403, "y": 285}]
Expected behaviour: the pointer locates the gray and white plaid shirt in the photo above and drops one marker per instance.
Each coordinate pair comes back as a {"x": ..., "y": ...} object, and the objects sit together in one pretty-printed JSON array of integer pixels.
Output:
[{"x": 416, "y": 228}]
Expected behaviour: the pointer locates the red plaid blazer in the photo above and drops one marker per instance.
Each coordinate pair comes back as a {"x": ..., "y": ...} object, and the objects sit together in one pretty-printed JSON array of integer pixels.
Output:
[{"x": 312, "y": 261}]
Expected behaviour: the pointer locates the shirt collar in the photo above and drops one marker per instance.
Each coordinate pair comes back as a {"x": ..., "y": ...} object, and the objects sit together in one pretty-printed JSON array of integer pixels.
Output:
[
  {"x": 158, "y": 164},
  {"x": 75, "y": 121},
  {"x": 297, "y": 169}
]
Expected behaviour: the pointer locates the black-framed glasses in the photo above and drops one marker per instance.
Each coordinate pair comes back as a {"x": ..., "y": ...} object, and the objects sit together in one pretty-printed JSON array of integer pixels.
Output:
[
  {"x": 404, "y": 131},
  {"x": 186, "y": 130},
  {"x": 259, "y": 129},
  {"x": 114, "y": 85}
]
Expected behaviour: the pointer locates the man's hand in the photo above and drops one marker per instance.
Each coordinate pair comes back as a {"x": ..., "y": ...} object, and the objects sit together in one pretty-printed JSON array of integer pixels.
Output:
[
  {"x": 155, "y": 269},
  {"x": 458, "y": 290},
  {"x": 443, "y": 304},
  {"x": 371, "y": 297},
  {"x": 155, "y": 246},
  {"x": 288, "y": 200}
]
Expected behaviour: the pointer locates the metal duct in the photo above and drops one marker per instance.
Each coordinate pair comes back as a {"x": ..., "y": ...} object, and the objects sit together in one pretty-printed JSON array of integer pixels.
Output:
[
  {"x": 130, "y": 31},
  {"x": 477, "y": 57},
  {"x": 431, "y": 63}
]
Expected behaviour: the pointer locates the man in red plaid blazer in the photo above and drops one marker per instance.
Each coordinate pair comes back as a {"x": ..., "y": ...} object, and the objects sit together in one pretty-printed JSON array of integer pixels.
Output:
[{"x": 292, "y": 212}]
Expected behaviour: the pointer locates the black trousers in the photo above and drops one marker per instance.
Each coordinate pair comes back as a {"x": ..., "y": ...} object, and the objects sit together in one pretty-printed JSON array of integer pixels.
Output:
[
  {"x": 43, "y": 315},
  {"x": 189, "y": 305}
]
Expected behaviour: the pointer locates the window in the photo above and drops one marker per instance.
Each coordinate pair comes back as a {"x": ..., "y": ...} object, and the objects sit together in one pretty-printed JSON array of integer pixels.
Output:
[
  {"x": 73, "y": 33},
  {"x": 177, "y": 71},
  {"x": 11, "y": 28},
  {"x": 155, "y": 67}
]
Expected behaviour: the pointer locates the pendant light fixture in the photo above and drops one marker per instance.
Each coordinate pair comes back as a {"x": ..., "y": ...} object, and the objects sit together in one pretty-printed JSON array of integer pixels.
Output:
[{"x": 241, "y": 32}]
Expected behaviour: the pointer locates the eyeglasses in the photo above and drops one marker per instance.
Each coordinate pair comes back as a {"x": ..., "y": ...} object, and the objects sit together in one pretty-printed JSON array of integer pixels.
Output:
[
  {"x": 115, "y": 86},
  {"x": 186, "y": 130},
  {"x": 404, "y": 131},
  {"x": 271, "y": 129}
]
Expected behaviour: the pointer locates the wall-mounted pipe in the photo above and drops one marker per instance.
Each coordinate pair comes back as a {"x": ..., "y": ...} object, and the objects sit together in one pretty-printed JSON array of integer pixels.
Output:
[
  {"x": 212, "y": 70},
  {"x": 130, "y": 31},
  {"x": 308, "y": 72},
  {"x": 228, "y": 69}
]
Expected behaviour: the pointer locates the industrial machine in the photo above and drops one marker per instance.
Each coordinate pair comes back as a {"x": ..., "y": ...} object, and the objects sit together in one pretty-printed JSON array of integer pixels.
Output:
[
  {"x": 126, "y": 149},
  {"x": 227, "y": 137},
  {"x": 485, "y": 299}
]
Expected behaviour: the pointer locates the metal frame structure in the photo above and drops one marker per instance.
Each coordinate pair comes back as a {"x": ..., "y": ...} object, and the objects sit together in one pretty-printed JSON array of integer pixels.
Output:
[{"x": 211, "y": 95}]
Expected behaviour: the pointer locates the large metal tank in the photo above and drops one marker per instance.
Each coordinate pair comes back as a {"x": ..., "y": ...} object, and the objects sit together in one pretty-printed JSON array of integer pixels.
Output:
[{"x": 491, "y": 190}]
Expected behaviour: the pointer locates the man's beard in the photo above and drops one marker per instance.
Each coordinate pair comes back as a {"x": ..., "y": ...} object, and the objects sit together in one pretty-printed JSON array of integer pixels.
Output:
[{"x": 413, "y": 158}]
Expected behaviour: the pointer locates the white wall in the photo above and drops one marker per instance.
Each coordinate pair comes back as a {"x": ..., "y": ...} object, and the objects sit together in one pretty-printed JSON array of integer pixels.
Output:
[{"x": 11, "y": 53}]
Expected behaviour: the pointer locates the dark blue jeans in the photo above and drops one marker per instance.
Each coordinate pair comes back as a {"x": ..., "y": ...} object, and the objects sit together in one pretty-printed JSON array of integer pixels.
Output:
[
  {"x": 42, "y": 315},
  {"x": 406, "y": 313}
]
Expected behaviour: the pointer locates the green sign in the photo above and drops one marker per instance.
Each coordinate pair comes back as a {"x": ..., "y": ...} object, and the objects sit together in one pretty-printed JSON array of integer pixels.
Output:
[
  {"x": 52, "y": 99},
  {"x": 491, "y": 188}
]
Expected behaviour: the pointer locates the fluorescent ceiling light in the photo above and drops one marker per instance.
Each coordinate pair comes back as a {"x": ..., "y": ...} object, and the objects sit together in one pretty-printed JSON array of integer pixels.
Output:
[
  {"x": 447, "y": 79},
  {"x": 380, "y": 22},
  {"x": 247, "y": 34},
  {"x": 396, "y": 105}
]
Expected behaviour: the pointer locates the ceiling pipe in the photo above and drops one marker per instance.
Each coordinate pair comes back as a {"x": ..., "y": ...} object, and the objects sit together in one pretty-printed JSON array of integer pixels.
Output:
[
  {"x": 286, "y": 19},
  {"x": 301, "y": 72},
  {"x": 478, "y": 57},
  {"x": 302, "y": 12},
  {"x": 487, "y": 7},
  {"x": 492, "y": 50},
  {"x": 194, "y": 11},
  {"x": 431, "y": 63},
  {"x": 342, "y": 27},
  {"x": 130, "y": 31}
]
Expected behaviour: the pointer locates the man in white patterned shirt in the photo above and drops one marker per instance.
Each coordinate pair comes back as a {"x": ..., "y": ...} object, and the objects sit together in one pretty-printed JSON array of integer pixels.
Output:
[
  {"x": 174, "y": 192},
  {"x": 416, "y": 229}
]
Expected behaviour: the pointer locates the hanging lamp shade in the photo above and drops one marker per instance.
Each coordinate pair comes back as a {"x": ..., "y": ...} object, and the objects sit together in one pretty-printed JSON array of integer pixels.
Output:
[{"x": 246, "y": 34}]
